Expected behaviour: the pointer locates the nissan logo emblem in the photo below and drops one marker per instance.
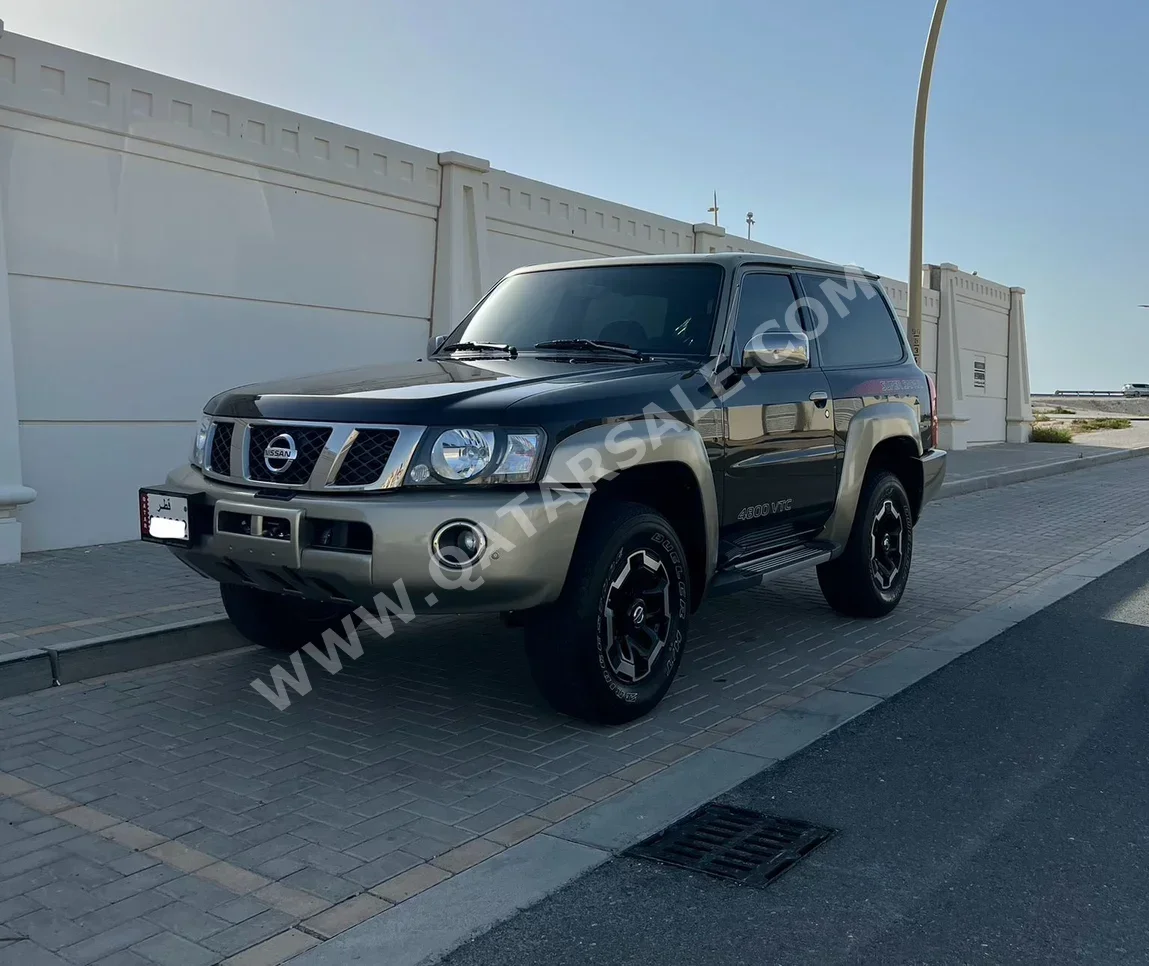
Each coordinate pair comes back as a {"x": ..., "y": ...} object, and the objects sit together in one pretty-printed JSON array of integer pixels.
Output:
[{"x": 280, "y": 453}]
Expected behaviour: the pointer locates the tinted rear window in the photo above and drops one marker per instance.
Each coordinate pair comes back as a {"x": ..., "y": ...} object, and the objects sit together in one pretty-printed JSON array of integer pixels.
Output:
[{"x": 851, "y": 321}]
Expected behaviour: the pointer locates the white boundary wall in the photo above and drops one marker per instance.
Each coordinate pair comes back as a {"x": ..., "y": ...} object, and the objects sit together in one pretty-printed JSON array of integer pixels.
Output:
[{"x": 161, "y": 241}]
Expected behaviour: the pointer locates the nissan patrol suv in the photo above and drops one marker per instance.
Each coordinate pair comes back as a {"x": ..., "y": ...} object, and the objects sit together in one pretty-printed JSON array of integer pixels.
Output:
[{"x": 594, "y": 450}]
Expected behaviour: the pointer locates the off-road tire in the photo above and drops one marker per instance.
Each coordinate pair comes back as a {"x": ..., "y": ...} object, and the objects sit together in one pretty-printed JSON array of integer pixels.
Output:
[
  {"x": 277, "y": 621},
  {"x": 850, "y": 582},
  {"x": 571, "y": 655}
]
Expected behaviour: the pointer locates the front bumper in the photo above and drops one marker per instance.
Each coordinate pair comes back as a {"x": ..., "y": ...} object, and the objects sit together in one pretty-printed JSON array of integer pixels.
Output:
[
  {"x": 933, "y": 474},
  {"x": 530, "y": 538}
]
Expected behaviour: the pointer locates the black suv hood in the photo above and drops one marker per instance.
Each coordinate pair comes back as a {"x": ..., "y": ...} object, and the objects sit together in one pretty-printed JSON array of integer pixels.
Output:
[{"x": 489, "y": 390}]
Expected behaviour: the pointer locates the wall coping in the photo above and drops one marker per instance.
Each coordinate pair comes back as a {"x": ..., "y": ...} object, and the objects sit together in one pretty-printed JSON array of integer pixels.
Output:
[{"x": 460, "y": 160}]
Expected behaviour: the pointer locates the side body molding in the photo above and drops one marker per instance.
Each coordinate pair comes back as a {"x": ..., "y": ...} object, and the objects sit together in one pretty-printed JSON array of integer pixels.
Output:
[
  {"x": 599, "y": 452},
  {"x": 869, "y": 426}
]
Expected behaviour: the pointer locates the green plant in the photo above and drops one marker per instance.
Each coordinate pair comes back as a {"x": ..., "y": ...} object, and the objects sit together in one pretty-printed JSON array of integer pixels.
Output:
[
  {"x": 1042, "y": 418},
  {"x": 1050, "y": 434},
  {"x": 1062, "y": 411},
  {"x": 1092, "y": 425}
]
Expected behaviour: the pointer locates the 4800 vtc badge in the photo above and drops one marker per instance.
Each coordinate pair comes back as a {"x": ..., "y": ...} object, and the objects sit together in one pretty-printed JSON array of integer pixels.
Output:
[{"x": 759, "y": 510}]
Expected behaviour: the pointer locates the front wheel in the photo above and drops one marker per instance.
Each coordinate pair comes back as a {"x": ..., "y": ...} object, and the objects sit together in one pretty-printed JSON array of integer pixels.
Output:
[
  {"x": 609, "y": 648},
  {"x": 277, "y": 621},
  {"x": 869, "y": 577}
]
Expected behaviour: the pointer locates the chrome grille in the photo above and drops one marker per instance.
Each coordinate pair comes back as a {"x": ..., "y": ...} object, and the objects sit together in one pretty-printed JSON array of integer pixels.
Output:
[
  {"x": 367, "y": 458},
  {"x": 309, "y": 442},
  {"x": 342, "y": 457},
  {"x": 219, "y": 457}
]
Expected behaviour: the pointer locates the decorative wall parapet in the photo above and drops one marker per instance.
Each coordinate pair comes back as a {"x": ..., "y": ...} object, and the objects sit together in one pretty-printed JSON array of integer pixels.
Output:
[
  {"x": 55, "y": 82},
  {"x": 575, "y": 217}
]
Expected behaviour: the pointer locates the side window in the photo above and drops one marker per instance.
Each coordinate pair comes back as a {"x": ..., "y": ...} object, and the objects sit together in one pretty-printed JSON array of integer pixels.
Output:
[
  {"x": 766, "y": 301},
  {"x": 852, "y": 324}
]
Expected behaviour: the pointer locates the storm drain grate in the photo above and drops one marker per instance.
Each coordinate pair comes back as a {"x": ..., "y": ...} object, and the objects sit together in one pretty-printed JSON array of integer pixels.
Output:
[{"x": 734, "y": 843}]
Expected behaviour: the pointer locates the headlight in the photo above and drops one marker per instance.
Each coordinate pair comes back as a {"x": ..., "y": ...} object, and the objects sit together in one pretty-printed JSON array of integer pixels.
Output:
[
  {"x": 460, "y": 454},
  {"x": 199, "y": 444},
  {"x": 478, "y": 456}
]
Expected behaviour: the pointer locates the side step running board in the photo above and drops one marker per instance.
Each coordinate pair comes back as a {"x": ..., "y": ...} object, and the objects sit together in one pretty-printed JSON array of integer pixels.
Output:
[{"x": 751, "y": 573}]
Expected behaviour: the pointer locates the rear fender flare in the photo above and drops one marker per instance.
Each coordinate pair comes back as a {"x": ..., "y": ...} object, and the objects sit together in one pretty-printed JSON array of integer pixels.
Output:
[{"x": 868, "y": 427}]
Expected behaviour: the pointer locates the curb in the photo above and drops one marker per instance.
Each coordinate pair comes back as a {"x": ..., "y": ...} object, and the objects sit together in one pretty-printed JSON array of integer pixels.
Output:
[
  {"x": 39, "y": 668},
  {"x": 992, "y": 481},
  {"x": 98, "y": 656},
  {"x": 434, "y": 923},
  {"x": 24, "y": 672}
]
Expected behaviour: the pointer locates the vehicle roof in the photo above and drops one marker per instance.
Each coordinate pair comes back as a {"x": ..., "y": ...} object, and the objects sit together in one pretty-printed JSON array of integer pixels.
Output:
[{"x": 726, "y": 259}]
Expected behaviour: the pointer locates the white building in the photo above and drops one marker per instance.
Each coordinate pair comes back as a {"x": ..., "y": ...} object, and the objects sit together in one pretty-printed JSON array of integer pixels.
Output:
[{"x": 161, "y": 241}]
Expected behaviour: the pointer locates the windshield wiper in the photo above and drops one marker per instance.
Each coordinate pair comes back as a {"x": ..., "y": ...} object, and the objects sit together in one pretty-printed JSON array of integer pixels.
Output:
[
  {"x": 593, "y": 345},
  {"x": 482, "y": 347}
]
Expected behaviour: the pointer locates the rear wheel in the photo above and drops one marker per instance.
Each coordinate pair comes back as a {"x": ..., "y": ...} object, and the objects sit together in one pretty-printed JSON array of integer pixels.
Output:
[
  {"x": 277, "y": 621},
  {"x": 869, "y": 577},
  {"x": 609, "y": 648}
]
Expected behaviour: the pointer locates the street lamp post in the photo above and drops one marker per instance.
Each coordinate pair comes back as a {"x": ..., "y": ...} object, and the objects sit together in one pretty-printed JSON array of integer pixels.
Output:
[{"x": 918, "y": 181}]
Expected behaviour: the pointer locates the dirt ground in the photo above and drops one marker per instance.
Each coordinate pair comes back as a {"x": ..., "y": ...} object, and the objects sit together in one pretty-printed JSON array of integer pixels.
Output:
[
  {"x": 1094, "y": 407},
  {"x": 1087, "y": 406},
  {"x": 1135, "y": 437}
]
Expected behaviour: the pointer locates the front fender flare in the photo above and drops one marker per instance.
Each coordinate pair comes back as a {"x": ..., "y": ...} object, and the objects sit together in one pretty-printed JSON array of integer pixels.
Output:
[{"x": 599, "y": 452}]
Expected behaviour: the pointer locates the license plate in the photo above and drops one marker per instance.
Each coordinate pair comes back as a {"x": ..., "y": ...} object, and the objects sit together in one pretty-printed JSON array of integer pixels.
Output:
[{"x": 164, "y": 516}]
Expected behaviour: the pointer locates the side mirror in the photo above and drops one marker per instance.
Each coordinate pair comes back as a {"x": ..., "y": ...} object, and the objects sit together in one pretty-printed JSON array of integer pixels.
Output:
[
  {"x": 776, "y": 350},
  {"x": 433, "y": 344}
]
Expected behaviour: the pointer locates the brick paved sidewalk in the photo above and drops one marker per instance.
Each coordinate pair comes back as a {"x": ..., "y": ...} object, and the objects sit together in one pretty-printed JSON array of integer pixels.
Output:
[
  {"x": 173, "y": 816},
  {"x": 62, "y": 596},
  {"x": 71, "y": 595}
]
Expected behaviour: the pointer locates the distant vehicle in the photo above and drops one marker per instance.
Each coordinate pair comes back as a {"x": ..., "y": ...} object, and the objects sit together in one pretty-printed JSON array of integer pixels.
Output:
[{"x": 1136, "y": 389}]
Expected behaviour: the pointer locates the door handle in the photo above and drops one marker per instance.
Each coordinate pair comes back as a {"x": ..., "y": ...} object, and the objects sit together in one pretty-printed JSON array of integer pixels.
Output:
[{"x": 819, "y": 398}]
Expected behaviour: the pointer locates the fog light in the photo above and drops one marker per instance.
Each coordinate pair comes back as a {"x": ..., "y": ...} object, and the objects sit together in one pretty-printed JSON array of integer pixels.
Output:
[{"x": 458, "y": 544}]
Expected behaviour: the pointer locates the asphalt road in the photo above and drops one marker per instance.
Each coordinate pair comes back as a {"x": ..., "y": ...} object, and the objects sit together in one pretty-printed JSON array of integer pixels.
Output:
[{"x": 997, "y": 812}]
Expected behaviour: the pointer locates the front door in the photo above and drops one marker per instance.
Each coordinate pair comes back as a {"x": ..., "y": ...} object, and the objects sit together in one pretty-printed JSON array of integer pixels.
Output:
[{"x": 780, "y": 468}]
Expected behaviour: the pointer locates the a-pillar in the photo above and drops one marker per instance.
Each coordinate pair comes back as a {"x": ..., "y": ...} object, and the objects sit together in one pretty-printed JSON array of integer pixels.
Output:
[
  {"x": 1018, "y": 408},
  {"x": 708, "y": 238},
  {"x": 461, "y": 273},
  {"x": 13, "y": 493},
  {"x": 952, "y": 418}
]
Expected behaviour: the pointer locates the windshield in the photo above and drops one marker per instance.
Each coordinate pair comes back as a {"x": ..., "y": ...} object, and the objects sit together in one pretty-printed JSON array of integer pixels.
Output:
[{"x": 658, "y": 309}]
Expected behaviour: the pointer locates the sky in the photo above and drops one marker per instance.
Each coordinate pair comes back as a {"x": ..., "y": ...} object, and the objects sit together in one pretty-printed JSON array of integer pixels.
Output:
[{"x": 1037, "y": 168}]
